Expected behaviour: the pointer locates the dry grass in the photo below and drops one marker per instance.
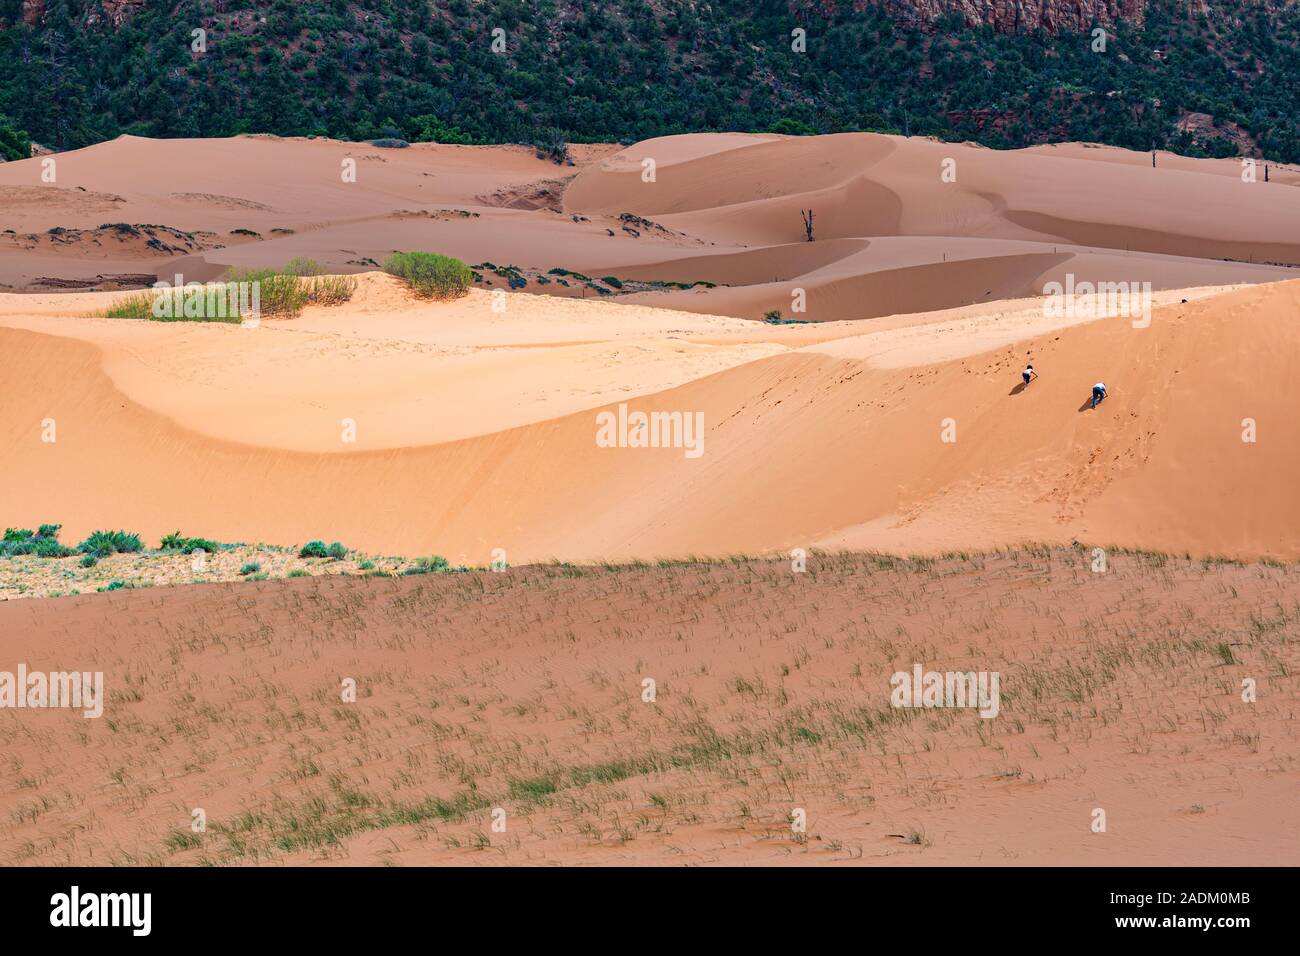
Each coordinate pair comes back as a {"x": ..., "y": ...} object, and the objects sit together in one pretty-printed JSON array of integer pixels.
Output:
[{"x": 522, "y": 690}]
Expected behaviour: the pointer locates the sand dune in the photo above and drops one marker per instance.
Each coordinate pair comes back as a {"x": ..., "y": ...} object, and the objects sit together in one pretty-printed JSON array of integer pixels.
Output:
[
  {"x": 722, "y": 208},
  {"x": 487, "y": 438},
  {"x": 887, "y": 414}
]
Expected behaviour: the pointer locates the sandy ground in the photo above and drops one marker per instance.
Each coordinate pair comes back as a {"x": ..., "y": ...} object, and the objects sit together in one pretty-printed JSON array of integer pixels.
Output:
[
  {"x": 520, "y": 694},
  {"x": 902, "y": 225},
  {"x": 890, "y": 417},
  {"x": 475, "y": 431}
]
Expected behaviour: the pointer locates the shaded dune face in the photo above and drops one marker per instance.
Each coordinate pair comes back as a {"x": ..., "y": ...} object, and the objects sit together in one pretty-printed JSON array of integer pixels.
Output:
[{"x": 720, "y": 208}]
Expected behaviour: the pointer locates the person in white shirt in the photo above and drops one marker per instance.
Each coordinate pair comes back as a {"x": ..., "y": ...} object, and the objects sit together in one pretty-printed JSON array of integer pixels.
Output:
[
  {"x": 1029, "y": 374},
  {"x": 1098, "y": 393}
]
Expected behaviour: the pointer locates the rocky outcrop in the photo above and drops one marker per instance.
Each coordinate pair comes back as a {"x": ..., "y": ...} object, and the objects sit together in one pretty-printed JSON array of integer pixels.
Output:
[
  {"x": 115, "y": 11},
  {"x": 1012, "y": 16},
  {"x": 33, "y": 10}
]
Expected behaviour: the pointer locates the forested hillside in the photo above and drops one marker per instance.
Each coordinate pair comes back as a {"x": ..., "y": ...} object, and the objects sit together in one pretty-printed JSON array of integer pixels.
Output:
[{"x": 74, "y": 72}]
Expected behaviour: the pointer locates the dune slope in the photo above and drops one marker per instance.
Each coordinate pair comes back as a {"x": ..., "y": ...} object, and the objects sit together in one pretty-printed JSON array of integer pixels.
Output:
[
  {"x": 911, "y": 436},
  {"x": 898, "y": 222}
]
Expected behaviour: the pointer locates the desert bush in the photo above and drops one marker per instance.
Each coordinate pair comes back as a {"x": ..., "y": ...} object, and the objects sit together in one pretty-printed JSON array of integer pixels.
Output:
[
  {"x": 43, "y": 542},
  {"x": 177, "y": 542},
  {"x": 252, "y": 567},
  {"x": 431, "y": 275},
  {"x": 435, "y": 564},
  {"x": 318, "y": 549},
  {"x": 330, "y": 290},
  {"x": 302, "y": 266},
  {"x": 280, "y": 293},
  {"x": 103, "y": 543}
]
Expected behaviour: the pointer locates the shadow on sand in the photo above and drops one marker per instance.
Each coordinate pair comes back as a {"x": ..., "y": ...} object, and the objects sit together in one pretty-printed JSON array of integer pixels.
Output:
[{"x": 1018, "y": 389}]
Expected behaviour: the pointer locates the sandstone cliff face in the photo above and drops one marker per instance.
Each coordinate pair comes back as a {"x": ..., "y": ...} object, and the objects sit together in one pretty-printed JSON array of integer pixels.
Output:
[
  {"x": 116, "y": 11},
  {"x": 1007, "y": 16},
  {"x": 1015, "y": 16},
  {"x": 33, "y": 11}
]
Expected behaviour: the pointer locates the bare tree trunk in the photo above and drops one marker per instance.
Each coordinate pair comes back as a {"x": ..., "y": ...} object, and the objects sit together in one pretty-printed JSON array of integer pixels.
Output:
[{"x": 807, "y": 215}]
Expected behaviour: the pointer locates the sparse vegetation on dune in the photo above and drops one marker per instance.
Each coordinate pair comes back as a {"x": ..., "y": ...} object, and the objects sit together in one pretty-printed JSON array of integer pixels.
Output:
[
  {"x": 242, "y": 294},
  {"x": 226, "y": 562},
  {"x": 43, "y": 542},
  {"x": 523, "y": 692},
  {"x": 318, "y": 549},
  {"x": 178, "y": 542},
  {"x": 37, "y": 567},
  {"x": 103, "y": 543},
  {"x": 431, "y": 275}
]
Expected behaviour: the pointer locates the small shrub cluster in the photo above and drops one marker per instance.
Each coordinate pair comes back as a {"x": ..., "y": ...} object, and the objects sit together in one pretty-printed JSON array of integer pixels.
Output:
[
  {"x": 318, "y": 549},
  {"x": 43, "y": 542},
  {"x": 177, "y": 542},
  {"x": 436, "y": 564},
  {"x": 104, "y": 543},
  {"x": 280, "y": 293},
  {"x": 430, "y": 275}
]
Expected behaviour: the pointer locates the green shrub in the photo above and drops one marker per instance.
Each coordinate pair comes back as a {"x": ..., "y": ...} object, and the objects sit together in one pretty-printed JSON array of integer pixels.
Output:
[
  {"x": 302, "y": 266},
  {"x": 431, "y": 275},
  {"x": 252, "y": 567},
  {"x": 436, "y": 564},
  {"x": 103, "y": 543},
  {"x": 214, "y": 302},
  {"x": 176, "y": 542},
  {"x": 330, "y": 290},
  {"x": 613, "y": 281},
  {"x": 14, "y": 143},
  {"x": 318, "y": 549},
  {"x": 43, "y": 542},
  {"x": 298, "y": 573},
  {"x": 138, "y": 306},
  {"x": 280, "y": 293},
  {"x": 88, "y": 561}
]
